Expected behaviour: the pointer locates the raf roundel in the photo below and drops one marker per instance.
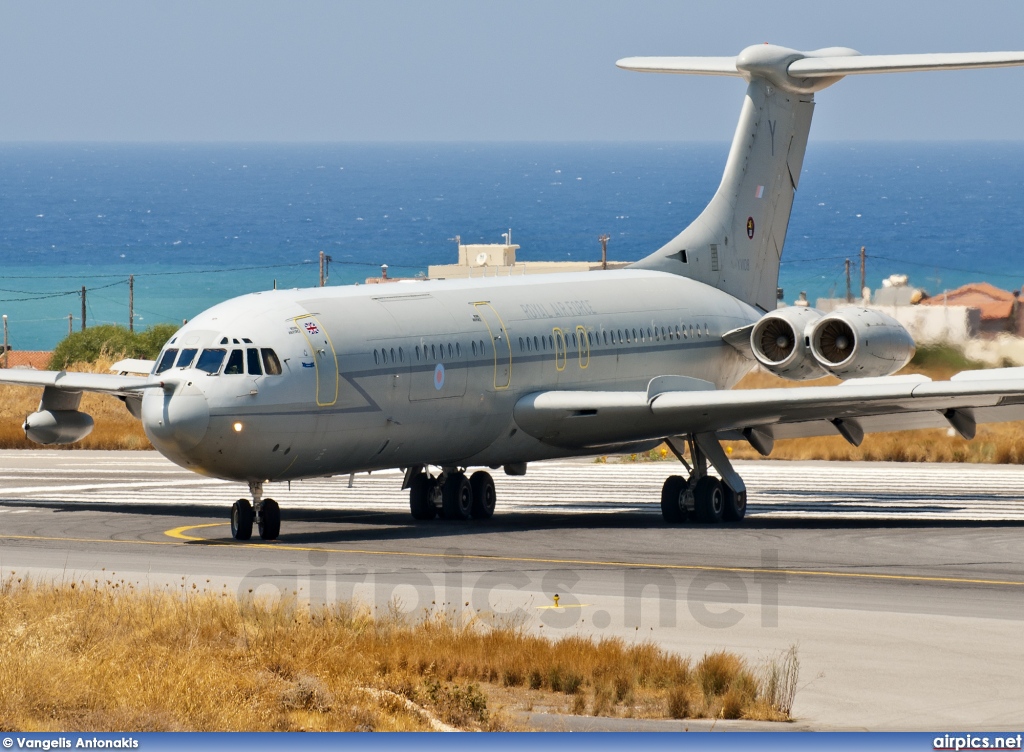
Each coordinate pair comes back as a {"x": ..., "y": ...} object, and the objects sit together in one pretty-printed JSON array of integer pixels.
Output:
[{"x": 439, "y": 376}]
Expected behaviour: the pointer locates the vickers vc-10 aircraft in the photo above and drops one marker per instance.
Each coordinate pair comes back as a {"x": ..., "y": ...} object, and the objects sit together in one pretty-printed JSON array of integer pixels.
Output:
[{"x": 442, "y": 376}]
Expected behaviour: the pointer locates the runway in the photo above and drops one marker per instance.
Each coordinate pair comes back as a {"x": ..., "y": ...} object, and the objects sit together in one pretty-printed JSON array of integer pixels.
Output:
[{"x": 902, "y": 585}]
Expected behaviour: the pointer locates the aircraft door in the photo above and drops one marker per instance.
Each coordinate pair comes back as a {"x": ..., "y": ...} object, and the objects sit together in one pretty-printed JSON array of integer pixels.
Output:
[
  {"x": 322, "y": 358},
  {"x": 583, "y": 349},
  {"x": 500, "y": 343},
  {"x": 560, "y": 348}
]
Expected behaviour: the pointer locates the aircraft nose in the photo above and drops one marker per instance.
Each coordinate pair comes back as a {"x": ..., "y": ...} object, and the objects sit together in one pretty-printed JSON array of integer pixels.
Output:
[{"x": 176, "y": 420}]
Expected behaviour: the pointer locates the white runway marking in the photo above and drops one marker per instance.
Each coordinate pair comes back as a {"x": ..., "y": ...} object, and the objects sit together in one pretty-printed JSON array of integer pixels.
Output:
[{"x": 826, "y": 490}]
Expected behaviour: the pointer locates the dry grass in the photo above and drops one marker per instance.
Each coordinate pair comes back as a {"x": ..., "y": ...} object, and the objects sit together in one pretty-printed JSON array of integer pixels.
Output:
[
  {"x": 115, "y": 427},
  {"x": 100, "y": 656}
]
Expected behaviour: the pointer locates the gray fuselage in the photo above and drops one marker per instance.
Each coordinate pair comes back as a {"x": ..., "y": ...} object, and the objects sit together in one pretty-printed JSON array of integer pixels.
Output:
[{"x": 427, "y": 373}]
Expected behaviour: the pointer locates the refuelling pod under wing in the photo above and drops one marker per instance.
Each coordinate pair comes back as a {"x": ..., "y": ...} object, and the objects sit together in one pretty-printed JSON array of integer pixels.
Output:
[
  {"x": 780, "y": 343},
  {"x": 57, "y": 426},
  {"x": 58, "y": 421},
  {"x": 859, "y": 342}
]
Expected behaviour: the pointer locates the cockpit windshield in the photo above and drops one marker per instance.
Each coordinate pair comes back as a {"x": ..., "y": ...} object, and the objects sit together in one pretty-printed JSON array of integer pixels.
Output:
[
  {"x": 211, "y": 359},
  {"x": 166, "y": 360}
]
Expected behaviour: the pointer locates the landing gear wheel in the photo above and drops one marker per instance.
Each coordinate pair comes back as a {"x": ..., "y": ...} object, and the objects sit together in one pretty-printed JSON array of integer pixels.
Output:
[
  {"x": 457, "y": 497},
  {"x": 735, "y": 504},
  {"x": 709, "y": 499},
  {"x": 270, "y": 520},
  {"x": 484, "y": 496},
  {"x": 241, "y": 520},
  {"x": 673, "y": 499},
  {"x": 421, "y": 497}
]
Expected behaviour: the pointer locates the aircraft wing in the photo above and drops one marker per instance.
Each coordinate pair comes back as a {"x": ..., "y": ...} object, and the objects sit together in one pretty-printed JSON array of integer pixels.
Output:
[
  {"x": 77, "y": 382},
  {"x": 674, "y": 406}
]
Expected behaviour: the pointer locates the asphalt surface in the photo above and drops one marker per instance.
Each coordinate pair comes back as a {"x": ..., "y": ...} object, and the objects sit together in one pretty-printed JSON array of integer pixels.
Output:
[{"x": 902, "y": 586}]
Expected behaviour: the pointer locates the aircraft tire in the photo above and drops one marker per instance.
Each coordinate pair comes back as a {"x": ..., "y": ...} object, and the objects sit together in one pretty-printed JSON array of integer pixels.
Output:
[
  {"x": 421, "y": 503},
  {"x": 270, "y": 520},
  {"x": 709, "y": 500},
  {"x": 484, "y": 495},
  {"x": 241, "y": 520},
  {"x": 673, "y": 509},
  {"x": 457, "y": 497},
  {"x": 735, "y": 508}
]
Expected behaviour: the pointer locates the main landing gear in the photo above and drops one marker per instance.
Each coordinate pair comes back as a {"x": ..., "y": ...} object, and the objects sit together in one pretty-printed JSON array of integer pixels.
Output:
[
  {"x": 450, "y": 495},
  {"x": 264, "y": 512},
  {"x": 701, "y": 497}
]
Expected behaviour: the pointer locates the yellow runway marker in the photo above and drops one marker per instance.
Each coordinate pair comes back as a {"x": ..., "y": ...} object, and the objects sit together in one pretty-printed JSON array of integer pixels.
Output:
[{"x": 571, "y": 605}]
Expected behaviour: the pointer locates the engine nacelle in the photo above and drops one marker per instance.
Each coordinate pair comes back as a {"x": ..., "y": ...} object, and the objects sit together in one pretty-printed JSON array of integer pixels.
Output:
[
  {"x": 57, "y": 426},
  {"x": 779, "y": 341},
  {"x": 859, "y": 342}
]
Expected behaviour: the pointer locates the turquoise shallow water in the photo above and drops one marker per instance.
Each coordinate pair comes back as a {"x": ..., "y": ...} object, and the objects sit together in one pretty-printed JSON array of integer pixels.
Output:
[{"x": 197, "y": 224}]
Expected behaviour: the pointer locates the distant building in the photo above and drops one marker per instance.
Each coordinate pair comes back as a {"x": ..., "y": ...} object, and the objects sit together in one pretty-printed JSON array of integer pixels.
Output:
[
  {"x": 1000, "y": 310},
  {"x": 499, "y": 260}
]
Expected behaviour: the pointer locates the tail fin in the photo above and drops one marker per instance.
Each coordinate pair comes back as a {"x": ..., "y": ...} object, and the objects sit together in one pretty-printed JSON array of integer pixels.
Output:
[{"x": 736, "y": 242}]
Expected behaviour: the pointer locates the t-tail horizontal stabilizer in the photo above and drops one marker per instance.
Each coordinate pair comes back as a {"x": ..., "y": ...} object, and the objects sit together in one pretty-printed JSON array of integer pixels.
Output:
[{"x": 736, "y": 243}]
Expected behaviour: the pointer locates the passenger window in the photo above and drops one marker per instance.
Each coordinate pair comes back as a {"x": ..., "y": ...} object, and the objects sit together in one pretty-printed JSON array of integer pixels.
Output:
[
  {"x": 449, "y": 350},
  {"x": 252, "y": 362},
  {"x": 474, "y": 348},
  {"x": 677, "y": 331},
  {"x": 376, "y": 358},
  {"x": 210, "y": 360},
  {"x": 234, "y": 363},
  {"x": 433, "y": 353},
  {"x": 536, "y": 343},
  {"x": 482, "y": 350},
  {"x": 166, "y": 360},
  {"x": 529, "y": 345},
  {"x": 393, "y": 355},
  {"x": 384, "y": 355},
  {"x": 401, "y": 355},
  {"x": 186, "y": 357},
  {"x": 271, "y": 364},
  {"x": 458, "y": 349},
  {"x": 417, "y": 352}
]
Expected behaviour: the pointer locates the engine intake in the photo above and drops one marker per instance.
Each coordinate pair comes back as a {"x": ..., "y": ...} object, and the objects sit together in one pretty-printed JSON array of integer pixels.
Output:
[
  {"x": 779, "y": 343},
  {"x": 57, "y": 426},
  {"x": 859, "y": 342}
]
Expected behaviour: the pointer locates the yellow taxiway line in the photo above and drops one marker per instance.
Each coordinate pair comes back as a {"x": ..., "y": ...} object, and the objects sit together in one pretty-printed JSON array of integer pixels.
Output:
[{"x": 180, "y": 537}]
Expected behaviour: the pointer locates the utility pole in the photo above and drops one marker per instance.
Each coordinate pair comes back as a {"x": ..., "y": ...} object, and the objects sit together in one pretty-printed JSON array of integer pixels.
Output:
[
  {"x": 604, "y": 250},
  {"x": 83, "y": 308},
  {"x": 849, "y": 293},
  {"x": 5, "y": 340},
  {"x": 131, "y": 302},
  {"x": 863, "y": 270},
  {"x": 71, "y": 320},
  {"x": 325, "y": 268}
]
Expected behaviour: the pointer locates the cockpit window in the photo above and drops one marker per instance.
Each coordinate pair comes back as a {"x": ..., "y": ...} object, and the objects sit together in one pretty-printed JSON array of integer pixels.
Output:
[
  {"x": 234, "y": 365},
  {"x": 271, "y": 365},
  {"x": 186, "y": 357},
  {"x": 252, "y": 362},
  {"x": 166, "y": 360},
  {"x": 210, "y": 360}
]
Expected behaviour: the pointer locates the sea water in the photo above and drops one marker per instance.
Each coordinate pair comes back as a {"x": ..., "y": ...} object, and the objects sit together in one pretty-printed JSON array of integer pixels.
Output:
[{"x": 196, "y": 224}]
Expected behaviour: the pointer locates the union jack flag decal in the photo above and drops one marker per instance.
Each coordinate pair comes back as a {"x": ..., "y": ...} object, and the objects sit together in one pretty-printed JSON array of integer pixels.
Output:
[{"x": 312, "y": 328}]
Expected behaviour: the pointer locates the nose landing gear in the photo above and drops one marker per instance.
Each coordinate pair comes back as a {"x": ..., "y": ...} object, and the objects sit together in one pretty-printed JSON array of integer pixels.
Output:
[{"x": 264, "y": 512}]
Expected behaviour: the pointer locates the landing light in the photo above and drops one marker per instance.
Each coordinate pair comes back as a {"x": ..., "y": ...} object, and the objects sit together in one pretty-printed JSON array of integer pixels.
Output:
[{"x": 237, "y": 427}]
